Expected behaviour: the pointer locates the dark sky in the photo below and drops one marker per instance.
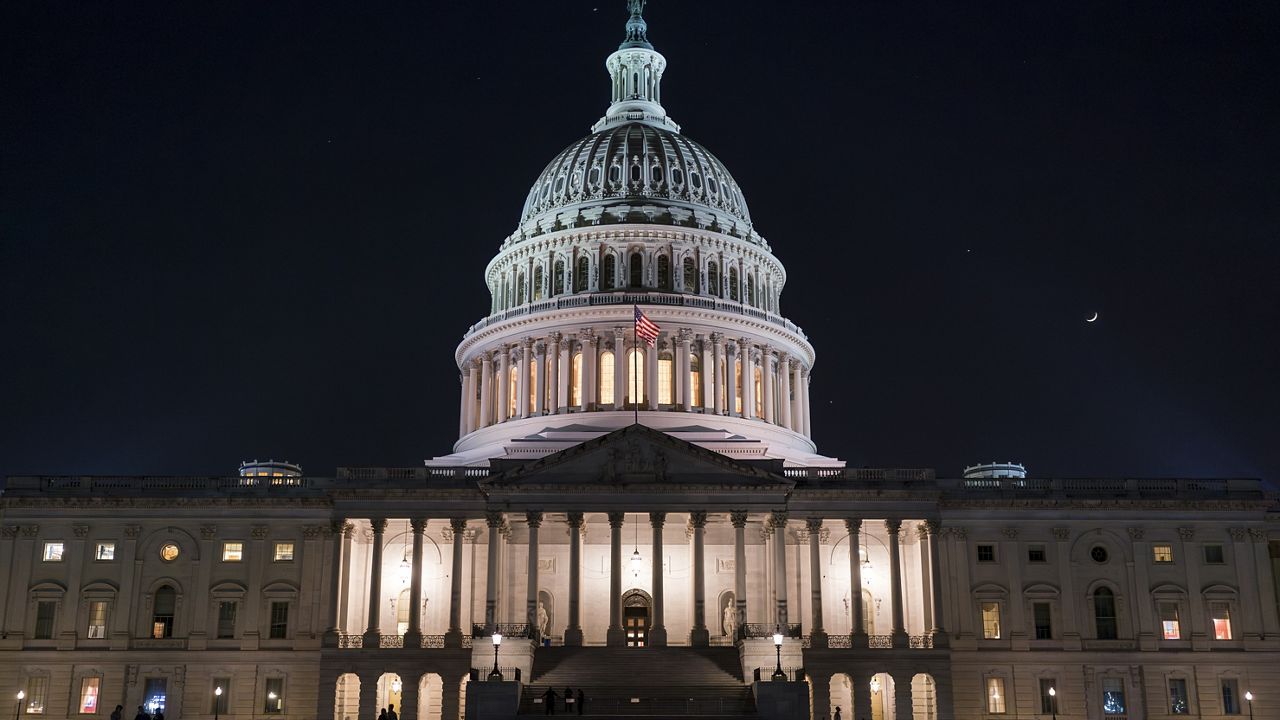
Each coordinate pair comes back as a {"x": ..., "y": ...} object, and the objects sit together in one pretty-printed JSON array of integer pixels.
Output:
[{"x": 236, "y": 230}]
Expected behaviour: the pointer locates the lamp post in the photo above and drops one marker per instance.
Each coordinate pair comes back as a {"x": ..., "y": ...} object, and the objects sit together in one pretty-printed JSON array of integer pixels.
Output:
[
  {"x": 1053, "y": 702},
  {"x": 217, "y": 701},
  {"x": 495, "y": 673},
  {"x": 777, "y": 646},
  {"x": 1248, "y": 697},
  {"x": 18, "y": 710}
]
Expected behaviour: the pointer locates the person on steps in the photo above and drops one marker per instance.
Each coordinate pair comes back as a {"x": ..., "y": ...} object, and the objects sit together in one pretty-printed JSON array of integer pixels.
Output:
[
  {"x": 568, "y": 700},
  {"x": 580, "y": 700},
  {"x": 118, "y": 713},
  {"x": 837, "y": 717},
  {"x": 142, "y": 714},
  {"x": 549, "y": 700},
  {"x": 383, "y": 714}
]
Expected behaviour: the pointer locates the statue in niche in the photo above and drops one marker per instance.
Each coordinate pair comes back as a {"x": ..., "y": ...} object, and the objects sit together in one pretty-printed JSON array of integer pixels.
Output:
[
  {"x": 730, "y": 621},
  {"x": 543, "y": 620}
]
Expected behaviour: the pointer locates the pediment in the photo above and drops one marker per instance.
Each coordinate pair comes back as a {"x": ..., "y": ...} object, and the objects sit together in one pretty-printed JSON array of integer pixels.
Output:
[{"x": 639, "y": 455}]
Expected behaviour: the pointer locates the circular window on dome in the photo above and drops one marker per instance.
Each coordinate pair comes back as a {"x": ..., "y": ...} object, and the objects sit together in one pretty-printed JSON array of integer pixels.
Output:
[
  {"x": 1098, "y": 553},
  {"x": 170, "y": 552}
]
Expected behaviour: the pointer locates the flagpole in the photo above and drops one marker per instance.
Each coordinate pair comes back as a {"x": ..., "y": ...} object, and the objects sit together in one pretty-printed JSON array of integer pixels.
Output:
[{"x": 635, "y": 358}]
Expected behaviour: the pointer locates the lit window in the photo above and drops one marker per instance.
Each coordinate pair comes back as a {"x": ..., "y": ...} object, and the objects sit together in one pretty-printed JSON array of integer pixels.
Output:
[
  {"x": 1113, "y": 696},
  {"x": 232, "y": 551},
  {"x": 1220, "y": 613},
  {"x": 53, "y": 551},
  {"x": 995, "y": 696},
  {"x": 1178, "y": 704},
  {"x": 279, "y": 629},
  {"x": 1213, "y": 555},
  {"x": 737, "y": 384},
  {"x": 37, "y": 687},
  {"x": 104, "y": 551},
  {"x": 695, "y": 379},
  {"x": 991, "y": 620},
  {"x": 1036, "y": 554},
  {"x": 1170, "y": 624},
  {"x": 97, "y": 619},
  {"x": 575, "y": 380},
  {"x": 665, "y": 391},
  {"x": 89, "y": 688},
  {"x": 155, "y": 695},
  {"x": 1161, "y": 553},
  {"x": 634, "y": 391},
  {"x": 1230, "y": 697},
  {"x": 164, "y": 603},
  {"x": 169, "y": 552},
  {"x": 606, "y": 378},
  {"x": 284, "y": 552},
  {"x": 46, "y": 611},
  {"x": 275, "y": 696},
  {"x": 986, "y": 553},
  {"x": 513, "y": 391}
]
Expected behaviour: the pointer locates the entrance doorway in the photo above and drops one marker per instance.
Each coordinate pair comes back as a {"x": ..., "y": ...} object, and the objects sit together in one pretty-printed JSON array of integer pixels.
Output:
[{"x": 636, "y": 613}]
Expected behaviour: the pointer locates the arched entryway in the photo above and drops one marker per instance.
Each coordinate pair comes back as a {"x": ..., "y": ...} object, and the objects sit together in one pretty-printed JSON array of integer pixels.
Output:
[{"x": 637, "y": 616}]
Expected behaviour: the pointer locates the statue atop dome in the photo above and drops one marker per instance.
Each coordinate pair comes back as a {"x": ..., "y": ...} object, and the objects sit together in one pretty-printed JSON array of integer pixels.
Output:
[
  {"x": 637, "y": 28},
  {"x": 635, "y": 6}
]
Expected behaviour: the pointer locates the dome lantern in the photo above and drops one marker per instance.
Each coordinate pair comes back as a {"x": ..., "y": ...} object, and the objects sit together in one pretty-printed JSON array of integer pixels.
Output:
[{"x": 635, "y": 70}]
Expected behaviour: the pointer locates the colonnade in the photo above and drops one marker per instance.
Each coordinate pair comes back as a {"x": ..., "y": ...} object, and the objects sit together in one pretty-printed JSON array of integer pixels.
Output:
[{"x": 704, "y": 373}]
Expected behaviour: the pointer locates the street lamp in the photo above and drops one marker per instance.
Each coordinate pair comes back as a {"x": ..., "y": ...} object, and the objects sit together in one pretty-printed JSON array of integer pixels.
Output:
[
  {"x": 777, "y": 645},
  {"x": 1248, "y": 697},
  {"x": 1053, "y": 702},
  {"x": 18, "y": 710},
  {"x": 495, "y": 673},
  {"x": 217, "y": 701}
]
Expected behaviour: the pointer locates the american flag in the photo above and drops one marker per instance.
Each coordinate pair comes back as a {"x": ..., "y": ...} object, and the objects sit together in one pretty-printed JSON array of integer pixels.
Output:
[{"x": 646, "y": 328}]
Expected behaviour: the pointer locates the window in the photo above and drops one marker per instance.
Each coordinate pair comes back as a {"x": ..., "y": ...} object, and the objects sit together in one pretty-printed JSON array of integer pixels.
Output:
[
  {"x": 1048, "y": 700},
  {"x": 995, "y": 696},
  {"x": 1178, "y": 704},
  {"x": 575, "y": 380},
  {"x": 46, "y": 610},
  {"x": 557, "y": 278},
  {"x": 713, "y": 279},
  {"x": 226, "y": 619},
  {"x": 156, "y": 694},
  {"x": 1042, "y": 614},
  {"x": 97, "y": 619},
  {"x": 695, "y": 378},
  {"x": 163, "y": 605},
  {"x": 1213, "y": 555},
  {"x": 537, "y": 283},
  {"x": 636, "y": 266},
  {"x": 607, "y": 278},
  {"x": 89, "y": 688},
  {"x": 37, "y": 688},
  {"x": 991, "y": 620},
  {"x": 169, "y": 552},
  {"x": 1170, "y": 625},
  {"x": 232, "y": 551},
  {"x": 104, "y": 551},
  {"x": 1220, "y": 614},
  {"x": 1098, "y": 553},
  {"x": 1230, "y": 697},
  {"x": 53, "y": 551},
  {"x": 733, "y": 284},
  {"x": 1036, "y": 554},
  {"x": 635, "y": 380},
  {"x": 1104, "y": 614},
  {"x": 606, "y": 378},
  {"x": 986, "y": 553},
  {"x": 221, "y": 700},
  {"x": 666, "y": 393},
  {"x": 1113, "y": 696},
  {"x": 1161, "y": 554},
  {"x": 690, "y": 276},
  {"x": 279, "y": 621},
  {"x": 275, "y": 695},
  {"x": 284, "y": 552}
]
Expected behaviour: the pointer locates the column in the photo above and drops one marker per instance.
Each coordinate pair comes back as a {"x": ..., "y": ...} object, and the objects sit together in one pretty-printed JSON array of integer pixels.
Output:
[
  {"x": 373, "y": 631},
  {"x": 493, "y": 520},
  {"x": 817, "y": 634},
  {"x": 1070, "y": 634},
  {"x": 553, "y": 374},
  {"x": 898, "y": 631},
  {"x": 344, "y": 591},
  {"x": 797, "y": 405},
  {"x": 368, "y": 698},
  {"x": 540, "y": 379},
  {"x": 1250, "y": 625},
  {"x": 621, "y": 389},
  {"x": 657, "y": 633},
  {"x": 462, "y": 403},
  {"x": 573, "y": 633},
  {"x": 534, "y": 519},
  {"x": 590, "y": 361},
  {"x": 748, "y": 379},
  {"x": 858, "y": 631},
  {"x": 804, "y": 393},
  {"x": 779, "y": 522},
  {"x": 784, "y": 391},
  {"x": 767, "y": 371},
  {"x": 614, "y": 636},
  {"x": 862, "y": 698},
  {"x": 486, "y": 391},
  {"x": 717, "y": 372},
  {"x": 562, "y": 375},
  {"x": 337, "y": 528},
  {"x": 739, "y": 520},
  {"x": 684, "y": 338},
  {"x": 708, "y": 376},
  {"x": 932, "y": 527},
  {"x": 732, "y": 354},
  {"x": 450, "y": 697},
  {"x": 503, "y": 399},
  {"x": 408, "y": 709},
  {"x": 522, "y": 378},
  {"x": 699, "y": 636},
  {"x": 413, "y": 634},
  {"x": 453, "y": 638}
]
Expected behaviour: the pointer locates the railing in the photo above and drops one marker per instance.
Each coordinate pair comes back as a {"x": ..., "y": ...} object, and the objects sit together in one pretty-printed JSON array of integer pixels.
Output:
[
  {"x": 390, "y": 641},
  {"x": 348, "y": 642},
  {"x": 866, "y": 474},
  {"x": 920, "y": 642},
  {"x": 508, "y": 673},
  {"x": 765, "y": 674},
  {"x": 640, "y": 706},
  {"x": 880, "y": 642},
  {"x": 1138, "y": 488},
  {"x": 764, "y": 630},
  {"x": 507, "y": 630},
  {"x": 839, "y": 642}
]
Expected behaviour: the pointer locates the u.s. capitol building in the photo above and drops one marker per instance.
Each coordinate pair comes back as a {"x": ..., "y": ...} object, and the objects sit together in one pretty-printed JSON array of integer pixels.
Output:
[{"x": 638, "y": 521}]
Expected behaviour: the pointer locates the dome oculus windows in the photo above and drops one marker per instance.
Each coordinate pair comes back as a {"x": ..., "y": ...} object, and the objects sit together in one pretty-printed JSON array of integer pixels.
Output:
[{"x": 1098, "y": 553}]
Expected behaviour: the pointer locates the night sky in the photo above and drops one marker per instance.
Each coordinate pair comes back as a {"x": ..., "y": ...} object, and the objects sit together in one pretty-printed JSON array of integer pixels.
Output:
[{"x": 250, "y": 230}]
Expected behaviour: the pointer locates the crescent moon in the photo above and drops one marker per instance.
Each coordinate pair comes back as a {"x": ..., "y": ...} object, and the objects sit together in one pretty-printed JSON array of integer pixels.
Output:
[{"x": 1094, "y": 318}]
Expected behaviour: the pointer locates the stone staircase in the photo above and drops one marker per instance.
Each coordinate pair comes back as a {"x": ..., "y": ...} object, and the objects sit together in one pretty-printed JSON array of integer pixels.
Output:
[{"x": 671, "y": 682}]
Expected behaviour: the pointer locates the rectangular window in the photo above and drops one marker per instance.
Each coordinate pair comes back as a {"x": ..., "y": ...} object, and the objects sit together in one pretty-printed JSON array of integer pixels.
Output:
[
  {"x": 1230, "y": 697},
  {"x": 1113, "y": 696},
  {"x": 995, "y": 696},
  {"x": 279, "y": 621},
  {"x": 89, "y": 688},
  {"x": 991, "y": 620},
  {"x": 232, "y": 551},
  {"x": 156, "y": 695},
  {"x": 1036, "y": 554},
  {"x": 1048, "y": 700},
  {"x": 1178, "y": 704},
  {"x": 1161, "y": 554},
  {"x": 220, "y": 699},
  {"x": 1043, "y": 615},
  {"x": 1220, "y": 614},
  {"x": 97, "y": 619},
  {"x": 606, "y": 378},
  {"x": 37, "y": 688},
  {"x": 1170, "y": 623},
  {"x": 1213, "y": 555},
  {"x": 986, "y": 553},
  {"x": 275, "y": 696},
  {"x": 45, "y": 612},
  {"x": 666, "y": 395},
  {"x": 226, "y": 619},
  {"x": 53, "y": 551},
  {"x": 104, "y": 551},
  {"x": 284, "y": 552}
]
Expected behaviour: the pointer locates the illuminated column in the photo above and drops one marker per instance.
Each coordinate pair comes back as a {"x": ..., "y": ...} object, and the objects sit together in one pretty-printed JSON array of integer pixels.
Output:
[
  {"x": 453, "y": 638},
  {"x": 658, "y": 633},
  {"x": 818, "y": 635},
  {"x": 935, "y": 584},
  {"x": 373, "y": 631},
  {"x": 337, "y": 530},
  {"x": 804, "y": 392},
  {"x": 899, "y": 632},
  {"x": 462, "y": 403},
  {"x": 717, "y": 372},
  {"x": 651, "y": 373},
  {"x": 784, "y": 389},
  {"x": 486, "y": 391},
  {"x": 573, "y": 633},
  {"x": 534, "y": 520},
  {"x": 562, "y": 374},
  {"x": 552, "y": 381},
  {"x": 540, "y": 379},
  {"x": 685, "y": 340},
  {"x": 620, "y": 361},
  {"x": 739, "y": 520},
  {"x": 748, "y": 378},
  {"x": 614, "y": 636},
  {"x": 732, "y": 354},
  {"x": 473, "y": 391},
  {"x": 494, "y": 521},
  {"x": 1267, "y": 590},
  {"x": 797, "y": 406},
  {"x": 413, "y": 635},
  {"x": 767, "y": 371},
  {"x": 590, "y": 361},
  {"x": 859, "y": 631},
  {"x": 779, "y": 521},
  {"x": 698, "y": 636},
  {"x": 708, "y": 375},
  {"x": 522, "y": 378},
  {"x": 504, "y": 387}
]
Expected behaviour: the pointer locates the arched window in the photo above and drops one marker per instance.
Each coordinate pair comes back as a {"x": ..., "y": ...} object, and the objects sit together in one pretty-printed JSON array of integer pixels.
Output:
[
  {"x": 713, "y": 279},
  {"x": 575, "y": 379},
  {"x": 737, "y": 385},
  {"x": 637, "y": 270},
  {"x": 513, "y": 390},
  {"x": 758, "y": 384},
  {"x": 635, "y": 376},
  {"x": 1104, "y": 614},
  {"x": 751, "y": 289},
  {"x": 163, "y": 606},
  {"x": 607, "y": 274},
  {"x": 695, "y": 378},
  {"x": 521, "y": 289},
  {"x": 733, "y": 284},
  {"x": 690, "y": 276},
  {"x": 606, "y": 377},
  {"x": 581, "y": 275},
  {"x": 537, "y": 283},
  {"x": 402, "y": 612},
  {"x": 664, "y": 273},
  {"x": 666, "y": 380},
  {"x": 557, "y": 280}
]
